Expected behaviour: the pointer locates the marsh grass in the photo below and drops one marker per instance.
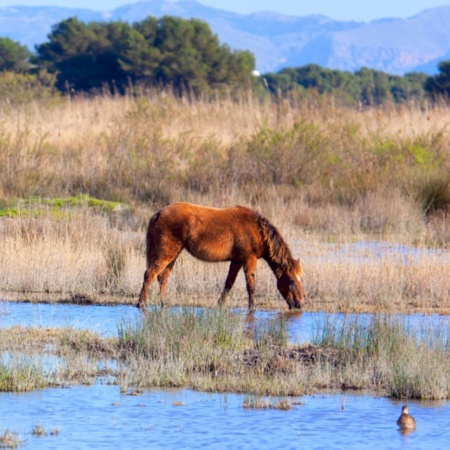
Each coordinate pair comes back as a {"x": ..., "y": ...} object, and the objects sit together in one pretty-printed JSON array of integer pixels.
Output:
[
  {"x": 169, "y": 345},
  {"x": 20, "y": 374},
  {"x": 271, "y": 333},
  {"x": 34, "y": 358},
  {"x": 156, "y": 149},
  {"x": 407, "y": 361},
  {"x": 220, "y": 351},
  {"x": 80, "y": 180}
]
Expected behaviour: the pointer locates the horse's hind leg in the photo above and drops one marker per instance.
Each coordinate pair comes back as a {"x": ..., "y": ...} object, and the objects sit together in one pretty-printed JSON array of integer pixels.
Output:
[
  {"x": 160, "y": 269},
  {"x": 235, "y": 267},
  {"x": 163, "y": 277},
  {"x": 149, "y": 277}
]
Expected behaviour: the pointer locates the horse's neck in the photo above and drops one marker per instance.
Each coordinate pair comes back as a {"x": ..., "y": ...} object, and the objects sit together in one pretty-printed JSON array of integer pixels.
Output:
[{"x": 276, "y": 267}]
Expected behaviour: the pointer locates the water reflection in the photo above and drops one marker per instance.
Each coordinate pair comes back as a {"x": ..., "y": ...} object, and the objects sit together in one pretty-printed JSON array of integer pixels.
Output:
[{"x": 406, "y": 431}]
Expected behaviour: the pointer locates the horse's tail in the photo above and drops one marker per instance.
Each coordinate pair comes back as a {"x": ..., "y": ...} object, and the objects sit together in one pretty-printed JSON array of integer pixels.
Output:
[
  {"x": 150, "y": 245},
  {"x": 278, "y": 251}
]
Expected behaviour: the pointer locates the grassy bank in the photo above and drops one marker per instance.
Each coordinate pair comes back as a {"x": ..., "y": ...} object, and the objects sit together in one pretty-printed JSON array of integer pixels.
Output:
[{"x": 216, "y": 350}]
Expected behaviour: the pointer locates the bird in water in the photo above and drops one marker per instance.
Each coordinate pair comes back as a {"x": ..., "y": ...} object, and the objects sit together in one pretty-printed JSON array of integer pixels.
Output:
[{"x": 405, "y": 421}]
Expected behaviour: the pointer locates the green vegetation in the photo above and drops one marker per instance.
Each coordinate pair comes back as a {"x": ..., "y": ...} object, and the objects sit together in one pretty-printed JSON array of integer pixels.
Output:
[
  {"x": 439, "y": 85},
  {"x": 13, "y": 56},
  {"x": 170, "y": 51},
  {"x": 366, "y": 86},
  {"x": 35, "y": 206},
  {"x": 21, "y": 374}
]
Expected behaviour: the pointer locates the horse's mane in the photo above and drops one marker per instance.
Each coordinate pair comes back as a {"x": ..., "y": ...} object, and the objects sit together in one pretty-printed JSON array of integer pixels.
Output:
[{"x": 279, "y": 253}]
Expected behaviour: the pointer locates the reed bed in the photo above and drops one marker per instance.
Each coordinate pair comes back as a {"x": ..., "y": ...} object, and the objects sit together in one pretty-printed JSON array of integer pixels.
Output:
[
  {"x": 156, "y": 148},
  {"x": 408, "y": 361},
  {"x": 216, "y": 350}
]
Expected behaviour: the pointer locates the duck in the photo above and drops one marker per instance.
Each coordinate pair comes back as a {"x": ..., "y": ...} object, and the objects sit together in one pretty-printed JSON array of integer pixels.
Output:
[{"x": 405, "y": 421}]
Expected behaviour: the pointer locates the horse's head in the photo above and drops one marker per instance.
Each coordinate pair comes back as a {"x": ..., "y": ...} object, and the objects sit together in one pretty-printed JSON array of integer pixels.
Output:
[{"x": 291, "y": 287}]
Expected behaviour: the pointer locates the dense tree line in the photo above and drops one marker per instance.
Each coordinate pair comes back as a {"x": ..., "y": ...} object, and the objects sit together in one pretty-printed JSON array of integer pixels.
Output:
[
  {"x": 187, "y": 56},
  {"x": 367, "y": 86}
]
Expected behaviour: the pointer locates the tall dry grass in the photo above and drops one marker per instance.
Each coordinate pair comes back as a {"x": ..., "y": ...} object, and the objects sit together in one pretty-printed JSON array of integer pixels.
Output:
[
  {"x": 80, "y": 255},
  {"x": 156, "y": 148},
  {"x": 326, "y": 176}
]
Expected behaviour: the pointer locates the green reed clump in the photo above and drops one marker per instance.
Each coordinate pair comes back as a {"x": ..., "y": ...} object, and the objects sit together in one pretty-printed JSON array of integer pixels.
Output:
[
  {"x": 168, "y": 346},
  {"x": 193, "y": 347},
  {"x": 20, "y": 374},
  {"x": 183, "y": 332},
  {"x": 390, "y": 353}
]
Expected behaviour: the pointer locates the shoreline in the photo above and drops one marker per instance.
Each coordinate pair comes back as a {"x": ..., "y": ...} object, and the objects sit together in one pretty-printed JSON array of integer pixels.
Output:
[{"x": 186, "y": 300}]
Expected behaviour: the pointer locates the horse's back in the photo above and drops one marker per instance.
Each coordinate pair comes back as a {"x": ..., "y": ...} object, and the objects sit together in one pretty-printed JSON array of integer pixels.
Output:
[{"x": 210, "y": 234}]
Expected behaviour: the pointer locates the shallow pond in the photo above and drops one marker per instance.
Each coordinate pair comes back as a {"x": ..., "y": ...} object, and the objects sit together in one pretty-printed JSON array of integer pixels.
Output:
[
  {"x": 100, "y": 417},
  {"x": 301, "y": 327}
]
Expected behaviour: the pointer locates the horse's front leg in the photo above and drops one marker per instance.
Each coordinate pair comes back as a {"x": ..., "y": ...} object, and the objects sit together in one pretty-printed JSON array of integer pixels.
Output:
[
  {"x": 235, "y": 267},
  {"x": 250, "y": 271}
]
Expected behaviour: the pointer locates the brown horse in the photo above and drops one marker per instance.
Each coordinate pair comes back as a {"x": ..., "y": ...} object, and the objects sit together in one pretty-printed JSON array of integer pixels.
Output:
[{"x": 239, "y": 235}]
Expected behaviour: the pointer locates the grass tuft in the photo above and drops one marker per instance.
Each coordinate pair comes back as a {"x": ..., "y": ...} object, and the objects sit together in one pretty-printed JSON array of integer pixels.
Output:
[{"x": 9, "y": 439}]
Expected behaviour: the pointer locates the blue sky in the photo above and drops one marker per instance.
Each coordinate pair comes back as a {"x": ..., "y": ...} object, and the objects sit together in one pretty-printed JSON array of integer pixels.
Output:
[{"x": 359, "y": 10}]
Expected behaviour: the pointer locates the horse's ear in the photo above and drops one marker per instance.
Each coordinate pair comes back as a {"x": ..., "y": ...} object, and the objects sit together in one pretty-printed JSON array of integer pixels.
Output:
[{"x": 300, "y": 269}]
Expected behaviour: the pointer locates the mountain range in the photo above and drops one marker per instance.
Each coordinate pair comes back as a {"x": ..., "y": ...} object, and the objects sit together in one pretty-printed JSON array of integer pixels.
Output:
[{"x": 395, "y": 46}]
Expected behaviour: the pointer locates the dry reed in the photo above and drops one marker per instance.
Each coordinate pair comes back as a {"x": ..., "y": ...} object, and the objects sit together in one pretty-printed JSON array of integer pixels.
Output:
[{"x": 326, "y": 176}]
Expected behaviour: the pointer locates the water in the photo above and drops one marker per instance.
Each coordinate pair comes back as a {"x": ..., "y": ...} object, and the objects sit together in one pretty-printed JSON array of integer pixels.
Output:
[
  {"x": 105, "y": 319},
  {"x": 101, "y": 319},
  {"x": 301, "y": 327},
  {"x": 100, "y": 417}
]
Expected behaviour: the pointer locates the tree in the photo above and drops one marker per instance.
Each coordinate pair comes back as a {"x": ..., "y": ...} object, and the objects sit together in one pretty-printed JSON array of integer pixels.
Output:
[
  {"x": 87, "y": 56},
  {"x": 367, "y": 86},
  {"x": 439, "y": 85},
  {"x": 184, "y": 54},
  {"x": 13, "y": 56}
]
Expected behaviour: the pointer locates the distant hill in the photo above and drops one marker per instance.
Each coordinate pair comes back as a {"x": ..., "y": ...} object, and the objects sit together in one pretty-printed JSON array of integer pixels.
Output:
[{"x": 395, "y": 46}]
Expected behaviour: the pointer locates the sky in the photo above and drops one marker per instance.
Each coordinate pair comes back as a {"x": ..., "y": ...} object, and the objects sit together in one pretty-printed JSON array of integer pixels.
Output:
[{"x": 358, "y": 10}]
